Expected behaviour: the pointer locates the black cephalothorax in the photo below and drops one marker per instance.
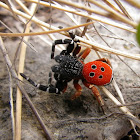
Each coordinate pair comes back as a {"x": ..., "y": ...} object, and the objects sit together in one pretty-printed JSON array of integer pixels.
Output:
[{"x": 68, "y": 67}]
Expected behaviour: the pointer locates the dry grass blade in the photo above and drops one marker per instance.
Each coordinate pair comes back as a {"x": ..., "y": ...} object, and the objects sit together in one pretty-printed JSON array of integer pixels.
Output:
[
  {"x": 67, "y": 10},
  {"x": 70, "y": 28},
  {"x": 135, "y": 3},
  {"x": 112, "y": 14},
  {"x": 20, "y": 70},
  {"x": 11, "y": 6},
  {"x": 118, "y": 91},
  {"x": 123, "y": 9},
  {"x": 104, "y": 48},
  {"x": 112, "y": 6},
  {"x": 82, "y": 7},
  {"x": 115, "y": 14},
  {"x": 45, "y": 29},
  {"x": 95, "y": 45},
  {"x": 123, "y": 108},
  {"x": 45, "y": 32},
  {"x": 14, "y": 75},
  {"x": 11, "y": 103},
  {"x": 26, "y": 16},
  {"x": 19, "y": 95},
  {"x": 28, "y": 44}
]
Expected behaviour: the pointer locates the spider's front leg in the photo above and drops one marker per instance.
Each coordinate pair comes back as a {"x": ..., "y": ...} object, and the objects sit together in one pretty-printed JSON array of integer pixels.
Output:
[
  {"x": 84, "y": 54},
  {"x": 69, "y": 49}
]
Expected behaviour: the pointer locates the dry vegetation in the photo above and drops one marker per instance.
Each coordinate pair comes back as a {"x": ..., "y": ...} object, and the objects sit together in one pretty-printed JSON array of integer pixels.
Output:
[{"x": 28, "y": 28}]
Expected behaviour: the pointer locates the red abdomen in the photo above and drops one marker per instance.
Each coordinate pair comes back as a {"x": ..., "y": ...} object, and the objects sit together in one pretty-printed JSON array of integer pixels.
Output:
[{"x": 97, "y": 73}]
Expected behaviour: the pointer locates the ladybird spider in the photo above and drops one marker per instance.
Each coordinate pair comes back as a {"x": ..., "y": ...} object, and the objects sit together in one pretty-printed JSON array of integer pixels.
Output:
[{"x": 72, "y": 67}]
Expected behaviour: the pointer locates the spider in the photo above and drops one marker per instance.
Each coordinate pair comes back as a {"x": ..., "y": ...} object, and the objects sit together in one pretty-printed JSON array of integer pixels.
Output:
[{"x": 71, "y": 66}]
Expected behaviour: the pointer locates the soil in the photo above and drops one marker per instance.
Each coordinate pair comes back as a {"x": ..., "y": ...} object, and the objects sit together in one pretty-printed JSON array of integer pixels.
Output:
[{"x": 79, "y": 119}]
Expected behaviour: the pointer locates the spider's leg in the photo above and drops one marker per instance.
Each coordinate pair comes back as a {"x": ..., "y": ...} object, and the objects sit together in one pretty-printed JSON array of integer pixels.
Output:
[
  {"x": 78, "y": 47},
  {"x": 95, "y": 92},
  {"x": 69, "y": 49},
  {"x": 84, "y": 54},
  {"x": 50, "y": 78},
  {"x": 61, "y": 85},
  {"x": 78, "y": 90},
  {"x": 50, "y": 88},
  {"x": 105, "y": 60},
  {"x": 72, "y": 35},
  {"x": 76, "y": 50},
  {"x": 65, "y": 87},
  {"x": 56, "y": 76},
  {"x": 55, "y": 68}
]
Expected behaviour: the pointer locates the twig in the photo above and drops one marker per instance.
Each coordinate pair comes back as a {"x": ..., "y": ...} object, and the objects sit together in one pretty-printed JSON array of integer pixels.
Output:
[
  {"x": 123, "y": 109},
  {"x": 72, "y": 11},
  {"x": 13, "y": 73},
  {"x": 107, "y": 49},
  {"x": 45, "y": 29},
  {"x": 118, "y": 91},
  {"x": 11, "y": 6},
  {"x": 115, "y": 14},
  {"x": 123, "y": 9},
  {"x": 84, "y": 120},
  {"x": 67, "y": 9},
  {"x": 11, "y": 103},
  {"x": 112, "y": 14},
  {"x": 20, "y": 70},
  {"x": 82, "y": 7},
  {"x": 48, "y": 134},
  {"x": 95, "y": 45},
  {"x": 45, "y": 32},
  {"x": 127, "y": 104},
  {"x": 92, "y": 119},
  {"x": 112, "y": 6},
  {"x": 134, "y": 3},
  {"x": 28, "y": 44}
]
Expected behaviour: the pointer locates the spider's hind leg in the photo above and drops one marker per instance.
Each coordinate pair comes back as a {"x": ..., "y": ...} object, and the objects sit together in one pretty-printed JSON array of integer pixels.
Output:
[
  {"x": 78, "y": 89},
  {"x": 105, "y": 60},
  {"x": 96, "y": 94}
]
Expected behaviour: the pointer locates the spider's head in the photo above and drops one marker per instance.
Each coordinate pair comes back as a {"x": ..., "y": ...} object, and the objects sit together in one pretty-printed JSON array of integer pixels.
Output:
[{"x": 59, "y": 58}]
